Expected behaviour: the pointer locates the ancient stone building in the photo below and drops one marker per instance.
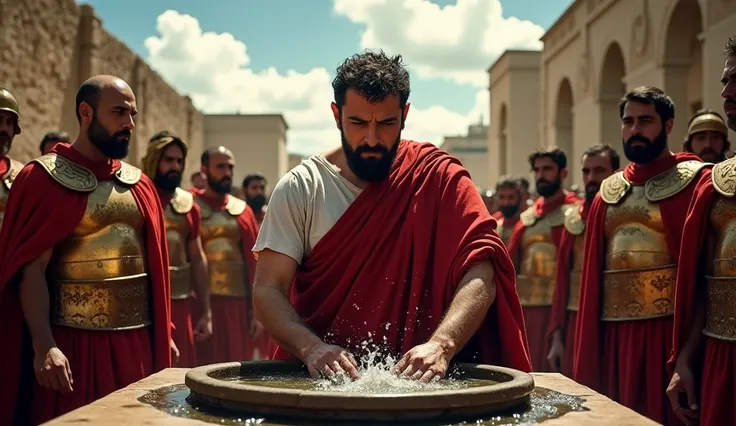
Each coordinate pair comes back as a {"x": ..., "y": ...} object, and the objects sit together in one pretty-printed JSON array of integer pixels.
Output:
[{"x": 567, "y": 94}]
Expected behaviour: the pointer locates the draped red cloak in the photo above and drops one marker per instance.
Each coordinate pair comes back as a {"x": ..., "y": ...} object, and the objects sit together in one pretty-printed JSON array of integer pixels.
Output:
[
  {"x": 536, "y": 318},
  {"x": 717, "y": 366},
  {"x": 625, "y": 360},
  {"x": 560, "y": 318},
  {"x": 388, "y": 269},
  {"x": 40, "y": 214},
  {"x": 230, "y": 339},
  {"x": 183, "y": 310}
]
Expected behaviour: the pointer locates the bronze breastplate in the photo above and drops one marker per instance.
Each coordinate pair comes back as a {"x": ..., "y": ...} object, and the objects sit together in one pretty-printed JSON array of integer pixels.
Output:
[
  {"x": 578, "y": 257},
  {"x": 721, "y": 287},
  {"x": 177, "y": 236},
  {"x": 639, "y": 273},
  {"x": 221, "y": 240},
  {"x": 99, "y": 271},
  {"x": 536, "y": 280}
]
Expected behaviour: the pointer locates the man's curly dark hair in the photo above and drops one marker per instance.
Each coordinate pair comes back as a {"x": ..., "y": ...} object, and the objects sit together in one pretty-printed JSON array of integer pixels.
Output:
[{"x": 375, "y": 75}]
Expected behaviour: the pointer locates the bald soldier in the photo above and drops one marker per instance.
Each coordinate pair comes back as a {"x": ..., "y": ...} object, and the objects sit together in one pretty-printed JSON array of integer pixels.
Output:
[
  {"x": 228, "y": 232},
  {"x": 83, "y": 268},
  {"x": 9, "y": 129}
]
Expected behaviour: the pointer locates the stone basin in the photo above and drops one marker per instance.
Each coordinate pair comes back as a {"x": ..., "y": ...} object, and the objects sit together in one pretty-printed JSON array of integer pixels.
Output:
[{"x": 493, "y": 390}]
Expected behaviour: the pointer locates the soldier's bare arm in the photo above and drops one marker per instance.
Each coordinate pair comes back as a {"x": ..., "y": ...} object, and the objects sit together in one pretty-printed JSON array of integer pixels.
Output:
[{"x": 203, "y": 327}]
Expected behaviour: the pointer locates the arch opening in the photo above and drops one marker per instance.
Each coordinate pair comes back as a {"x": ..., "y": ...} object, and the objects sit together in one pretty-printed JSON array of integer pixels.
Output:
[
  {"x": 564, "y": 118},
  {"x": 611, "y": 89},
  {"x": 502, "y": 160}
]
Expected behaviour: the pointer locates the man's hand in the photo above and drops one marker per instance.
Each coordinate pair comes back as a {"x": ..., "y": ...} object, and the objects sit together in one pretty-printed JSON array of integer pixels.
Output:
[
  {"x": 203, "y": 329},
  {"x": 255, "y": 328},
  {"x": 423, "y": 362},
  {"x": 681, "y": 387},
  {"x": 53, "y": 370},
  {"x": 174, "y": 353},
  {"x": 330, "y": 360},
  {"x": 556, "y": 351}
]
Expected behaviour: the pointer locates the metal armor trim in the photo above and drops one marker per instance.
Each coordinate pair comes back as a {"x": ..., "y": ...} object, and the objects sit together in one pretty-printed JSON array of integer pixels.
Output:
[
  {"x": 529, "y": 217},
  {"x": 724, "y": 177},
  {"x": 574, "y": 221},
  {"x": 128, "y": 174},
  {"x": 673, "y": 181},
  {"x": 12, "y": 173},
  {"x": 614, "y": 188},
  {"x": 68, "y": 174},
  {"x": 182, "y": 201},
  {"x": 235, "y": 206}
]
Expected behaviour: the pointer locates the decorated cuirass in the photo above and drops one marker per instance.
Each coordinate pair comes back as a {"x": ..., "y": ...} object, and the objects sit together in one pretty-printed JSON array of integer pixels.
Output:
[
  {"x": 535, "y": 283},
  {"x": 721, "y": 274},
  {"x": 98, "y": 276},
  {"x": 177, "y": 236},
  {"x": 504, "y": 232},
  {"x": 222, "y": 244},
  {"x": 639, "y": 272},
  {"x": 575, "y": 226},
  {"x": 6, "y": 181}
]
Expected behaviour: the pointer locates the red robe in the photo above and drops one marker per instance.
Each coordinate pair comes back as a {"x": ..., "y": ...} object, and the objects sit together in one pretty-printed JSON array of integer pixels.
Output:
[
  {"x": 387, "y": 271},
  {"x": 536, "y": 318},
  {"x": 560, "y": 318},
  {"x": 231, "y": 313},
  {"x": 101, "y": 362},
  {"x": 717, "y": 366},
  {"x": 183, "y": 310},
  {"x": 625, "y": 360}
]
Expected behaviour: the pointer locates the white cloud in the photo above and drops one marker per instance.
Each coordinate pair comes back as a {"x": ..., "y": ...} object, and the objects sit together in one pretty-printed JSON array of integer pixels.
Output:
[
  {"x": 458, "y": 42},
  {"x": 213, "y": 69}
]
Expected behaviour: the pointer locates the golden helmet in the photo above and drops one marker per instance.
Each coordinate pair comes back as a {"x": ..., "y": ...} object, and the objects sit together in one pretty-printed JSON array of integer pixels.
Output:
[{"x": 10, "y": 104}]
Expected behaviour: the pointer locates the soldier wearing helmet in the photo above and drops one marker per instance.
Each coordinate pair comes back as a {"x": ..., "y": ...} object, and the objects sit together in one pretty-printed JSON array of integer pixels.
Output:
[
  {"x": 707, "y": 136},
  {"x": 9, "y": 128}
]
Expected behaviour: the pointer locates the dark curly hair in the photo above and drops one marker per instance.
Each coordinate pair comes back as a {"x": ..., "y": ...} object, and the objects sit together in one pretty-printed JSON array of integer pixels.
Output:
[
  {"x": 649, "y": 95},
  {"x": 555, "y": 154},
  {"x": 729, "y": 49},
  {"x": 375, "y": 75}
]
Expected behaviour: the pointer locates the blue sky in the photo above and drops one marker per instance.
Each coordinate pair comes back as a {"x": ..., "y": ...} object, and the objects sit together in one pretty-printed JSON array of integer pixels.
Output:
[{"x": 280, "y": 55}]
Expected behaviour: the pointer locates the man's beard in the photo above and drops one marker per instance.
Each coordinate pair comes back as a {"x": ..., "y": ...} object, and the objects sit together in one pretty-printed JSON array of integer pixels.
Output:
[
  {"x": 168, "y": 181},
  {"x": 222, "y": 186},
  {"x": 5, "y": 142},
  {"x": 508, "y": 211},
  {"x": 256, "y": 202},
  {"x": 731, "y": 119},
  {"x": 710, "y": 155},
  {"x": 648, "y": 153},
  {"x": 546, "y": 188},
  {"x": 370, "y": 169},
  {"x": 591, "y": 189},
  {"x": 115, "y": 146}
]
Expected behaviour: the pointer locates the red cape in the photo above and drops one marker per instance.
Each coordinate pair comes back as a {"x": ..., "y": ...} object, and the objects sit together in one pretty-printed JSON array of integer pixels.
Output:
[
  {"x": 589, "y": 339},
  {"x": 543, "y": 208},
  {"x": 688, "y": 263},
  {"x": 34, "y": 223},
  {"x": 388, "y": 269},
  {"x": 558, "y": 313}
]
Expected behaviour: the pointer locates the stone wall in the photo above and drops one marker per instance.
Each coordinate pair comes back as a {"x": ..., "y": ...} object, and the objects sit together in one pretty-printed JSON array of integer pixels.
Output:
[{"x": 49, "y": 47}]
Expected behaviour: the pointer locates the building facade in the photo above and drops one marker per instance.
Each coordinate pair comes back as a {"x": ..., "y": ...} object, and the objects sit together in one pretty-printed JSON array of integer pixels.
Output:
[
  {"x": 595, "y": 52},
  {"x": 472, "y": 151}
]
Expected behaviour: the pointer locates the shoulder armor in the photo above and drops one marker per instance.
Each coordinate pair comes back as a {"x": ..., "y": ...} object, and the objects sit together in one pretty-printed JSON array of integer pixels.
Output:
[
  {"x": 13, "y": 170},
  {"x": 68, "y": 174},
  {"x": 574, "y": 222},
  {"x": 614, "y": 188},
  {"x": 529, "y": 217},
  {"x": 182, "y": 201},
  {"x": 235, "y": 206},
  {"x": 724, "y": 177},
  {"x": 128, "y": 174},
  {"x": 674, "y": 180}
]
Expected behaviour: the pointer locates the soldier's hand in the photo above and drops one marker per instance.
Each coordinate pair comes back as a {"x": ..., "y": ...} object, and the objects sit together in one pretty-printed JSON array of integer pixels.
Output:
[
  {"x": 203, "y": 329},
  {"x": 174, "y": 353},
  {"x": 330, "y": 360},
  {"x": 53, "y": 370},
  {"x": 556, "y": 351},
  {"x": 681, "y": 392},
  {"x": 423, "y": 362}
]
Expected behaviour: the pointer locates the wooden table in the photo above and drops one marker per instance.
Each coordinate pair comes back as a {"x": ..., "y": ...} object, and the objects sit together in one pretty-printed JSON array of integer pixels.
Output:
[{"x": 123, "y": 408}]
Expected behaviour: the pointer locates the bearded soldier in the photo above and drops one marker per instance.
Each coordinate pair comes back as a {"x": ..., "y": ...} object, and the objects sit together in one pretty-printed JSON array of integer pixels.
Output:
[
  {"x": 707, "y": 136},
  {"x": 9, "y": 128},
  {"x": 83, "y": 267},
  {"x": 508, "y": 194},
  {"x": 228, "y": 232},
  {"x": 533, "y": 247},
  {"x": 164, "y": 164},
  {"x": 632, "y": 242}
]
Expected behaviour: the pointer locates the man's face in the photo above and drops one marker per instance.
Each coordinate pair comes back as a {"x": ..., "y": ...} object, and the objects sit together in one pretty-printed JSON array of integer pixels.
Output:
[
  {"x": 370, "y": 134},
  {"x": 170, "y": 166},
  {"x": 643, "y": 134},
  {"x": 7, "y": 131},
  {"x": 113, "y": 121},
  {"x": 509, "y": 201},
  {"x": 199, "y": 182},
  {"x": 708, "y": 145},
  {"x": 595, "y": 169},
  {"x": 728, "y": 79},
  {"x": 255, "y": 194},
  {"x": 219, "y": 173},
  {"x": 547, "y": 176}
]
